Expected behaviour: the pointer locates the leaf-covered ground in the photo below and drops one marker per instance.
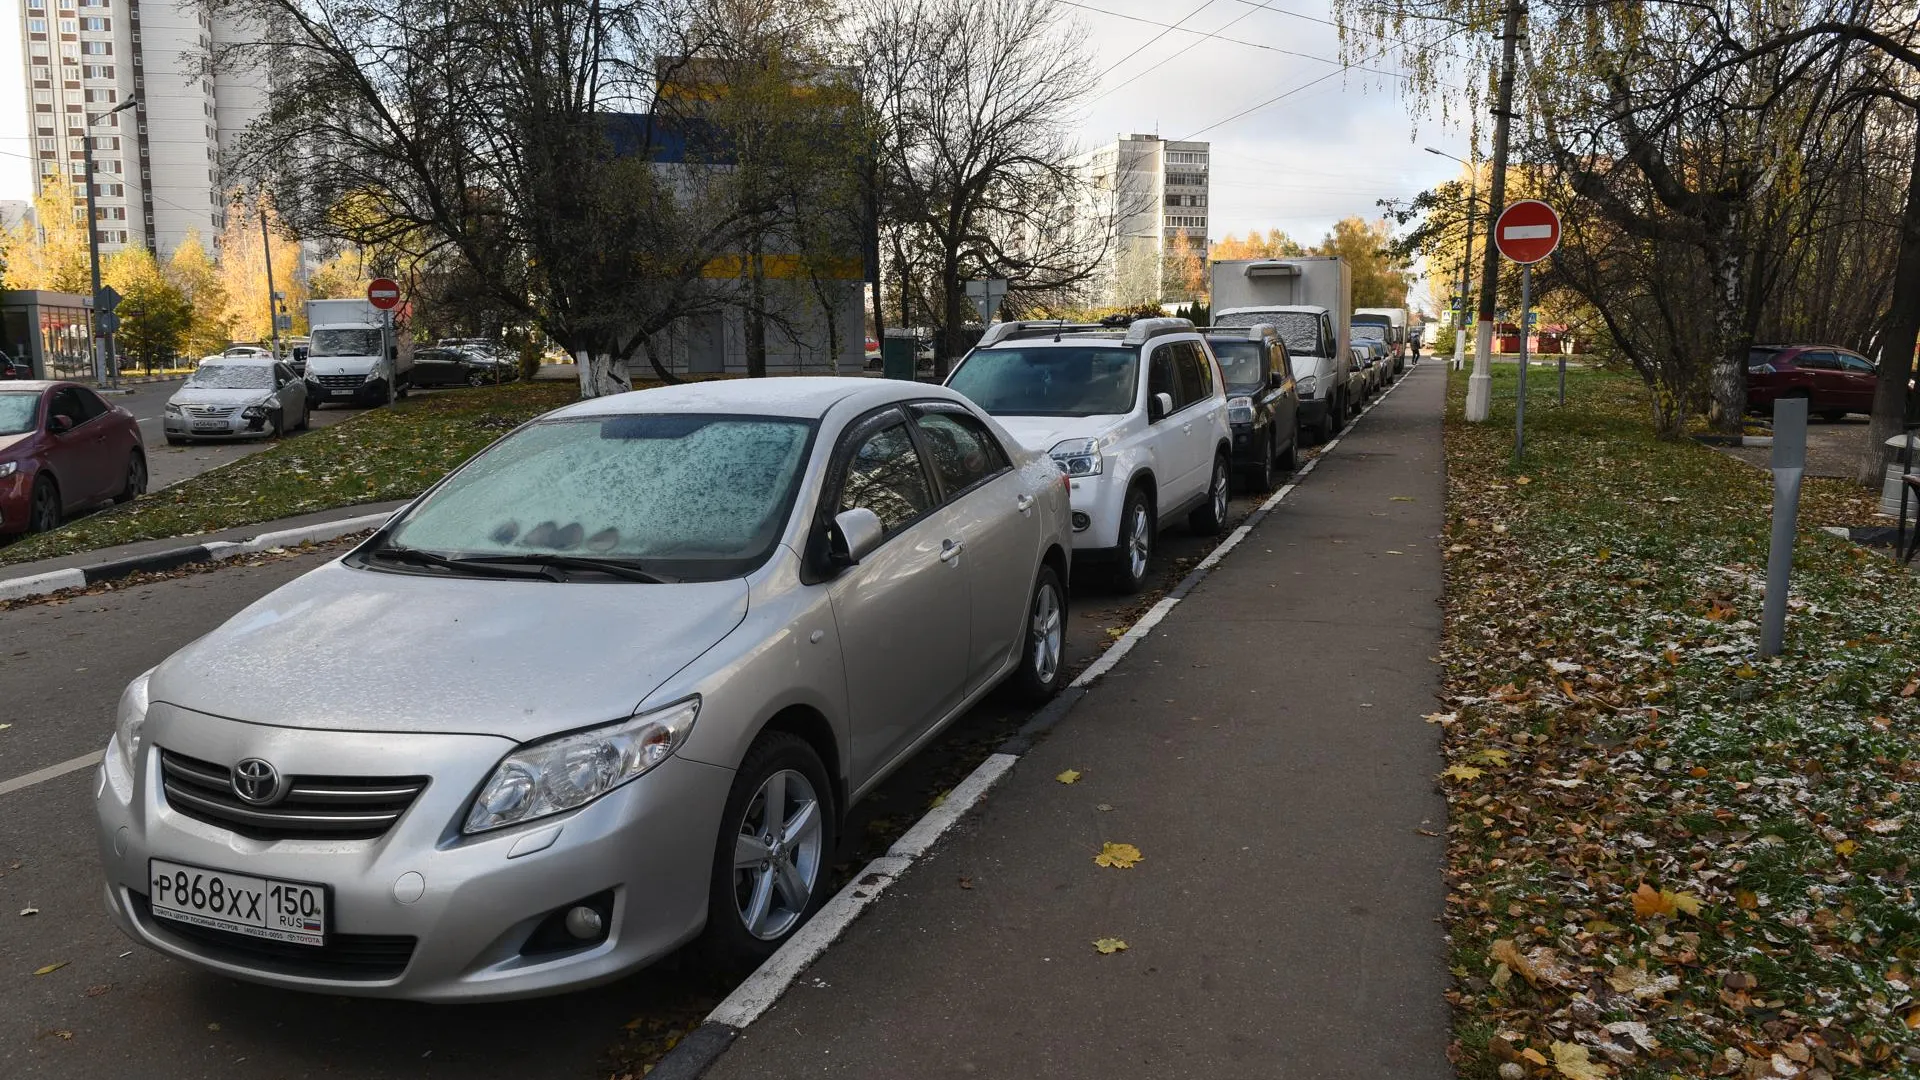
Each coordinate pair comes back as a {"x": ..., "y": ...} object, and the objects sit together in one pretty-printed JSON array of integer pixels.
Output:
[
  {"x": 1669, "y": 857},
  {"x": 388, "y": 453}
]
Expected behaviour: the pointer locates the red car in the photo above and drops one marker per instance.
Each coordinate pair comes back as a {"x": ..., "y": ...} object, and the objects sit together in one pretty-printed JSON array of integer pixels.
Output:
[
  {"x": 11, "y": 368},
  {"x": 1834, "y": 381},
  {"x": 63, "y": 449}
]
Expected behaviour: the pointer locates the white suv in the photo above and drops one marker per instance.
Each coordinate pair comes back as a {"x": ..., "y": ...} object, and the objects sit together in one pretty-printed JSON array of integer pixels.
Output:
[{"x": 1136, "y": 418}]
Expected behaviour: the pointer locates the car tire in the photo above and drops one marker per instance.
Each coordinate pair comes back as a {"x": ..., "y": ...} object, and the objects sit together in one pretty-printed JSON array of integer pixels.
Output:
[
  {"x": 476, "y": 379},
  {"x": 736, "y": 892},
  {"x": 1291, "y": 459},
  {"x": 1134, "y": 546},
  {"x": 1834, "y": 416},
  {"x": 43, "y": 507},
  {"x": 1211, "y": 517},
  {"x": 1043, "y": 652},
  {"x": 1260, "y": 477},
  {"x": 175, "y": 440},
  {"x": 136, "y": 478}
]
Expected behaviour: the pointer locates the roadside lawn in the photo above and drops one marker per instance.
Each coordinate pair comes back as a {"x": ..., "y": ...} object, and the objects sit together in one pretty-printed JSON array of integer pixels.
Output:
[
  {"x": 387, "y": 453},
  {"x": 1668, "y": 857}
]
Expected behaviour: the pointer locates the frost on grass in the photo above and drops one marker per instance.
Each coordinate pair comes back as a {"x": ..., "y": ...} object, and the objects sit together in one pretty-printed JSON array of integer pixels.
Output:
[{"x": 1711, "y": 852}]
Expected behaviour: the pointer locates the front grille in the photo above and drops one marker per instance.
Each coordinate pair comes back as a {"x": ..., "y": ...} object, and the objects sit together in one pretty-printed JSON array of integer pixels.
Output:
[
  {"x": 209, "y": 411},
  {"x": 315, "y": 807},
  {"x": 345, "y": 956},
  {"x": 340, "y": 382}
]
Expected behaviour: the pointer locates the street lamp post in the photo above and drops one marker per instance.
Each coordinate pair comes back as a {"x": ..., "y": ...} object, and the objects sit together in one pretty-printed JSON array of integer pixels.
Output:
[
  {"x": 101, "y": 361},
  {"x": 1466, "y": 263}
]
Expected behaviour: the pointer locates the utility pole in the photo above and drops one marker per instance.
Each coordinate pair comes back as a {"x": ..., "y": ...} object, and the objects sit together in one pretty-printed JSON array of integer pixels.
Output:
[
  {"x": 102, "y": 343},
  {"x": 273, "y": 298},
  {"x": 1466, "y": 260},
  {"x": 1480, "y": 384}
]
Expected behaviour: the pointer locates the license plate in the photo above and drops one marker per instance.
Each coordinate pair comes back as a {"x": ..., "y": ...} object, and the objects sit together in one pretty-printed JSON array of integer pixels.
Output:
[
  {"x": 209, "y": 425},
  {"x": 289, "y": 911},
  {"x": 342, "y": 393}
]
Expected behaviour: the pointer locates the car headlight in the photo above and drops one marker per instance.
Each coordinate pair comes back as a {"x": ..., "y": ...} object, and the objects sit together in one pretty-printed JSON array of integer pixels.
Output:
[
  {"x": 174, "y": 409},
  {"x": 1305, "y": 384},
  {"x": 8, "y": 468},
  {"x": 271, "y": 401},
  {"x": 1077, "y": 457},
  {"x": 374, "y": 373},
  {"x": 570, "y": 771},
  {"x": 132, "y": 716},
  {"x": 1239, "y": 410}
]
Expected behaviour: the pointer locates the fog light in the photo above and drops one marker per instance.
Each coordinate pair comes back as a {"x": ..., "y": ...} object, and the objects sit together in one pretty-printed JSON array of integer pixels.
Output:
[
  {"x": 584, "y": 923},
  {"x": 1081, "y": 521}
]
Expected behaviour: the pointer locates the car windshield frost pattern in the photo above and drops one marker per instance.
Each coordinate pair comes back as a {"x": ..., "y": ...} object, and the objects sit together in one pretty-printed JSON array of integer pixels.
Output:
[
  {"x": 232, "y": 377},
  {"x": 702, "y": 496},
  {"x": 1369, "y": 332},
  {"x": 1240, "y": 363},
  {"x": 1051, "y": 381},
  {"x": 17, "y": 413},
  {"x": 1299, "y": 329},
  {"x": 349, "y": 341}
]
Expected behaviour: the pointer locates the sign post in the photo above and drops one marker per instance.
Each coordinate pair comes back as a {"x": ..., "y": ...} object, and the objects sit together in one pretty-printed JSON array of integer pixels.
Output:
[
  {"x": 1527, "y": 232},
  {"x": 986, "y": 294}
]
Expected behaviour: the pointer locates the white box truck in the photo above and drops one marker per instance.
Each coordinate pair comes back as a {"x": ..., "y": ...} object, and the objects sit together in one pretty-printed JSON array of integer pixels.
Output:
[
  {"x": 1309, "y": 300},
  {"x": 356, "y": 355},
  {"x": 1393, "y": 321}
]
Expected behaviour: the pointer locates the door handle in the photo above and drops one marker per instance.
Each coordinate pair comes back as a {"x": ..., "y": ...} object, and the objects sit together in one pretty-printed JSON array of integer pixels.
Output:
[
  {"x": 1024, "y": 503},
  {"x": 1186, "y": 427},
  {"x": 950, "y": 550}
]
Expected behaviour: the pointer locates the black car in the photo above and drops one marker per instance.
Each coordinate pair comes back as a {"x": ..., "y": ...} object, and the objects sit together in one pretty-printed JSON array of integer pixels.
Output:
[
  {"x": 1263, "y": 404},
  {"x": 14, "y": 369},
  {"x": 447, "y": 366}
]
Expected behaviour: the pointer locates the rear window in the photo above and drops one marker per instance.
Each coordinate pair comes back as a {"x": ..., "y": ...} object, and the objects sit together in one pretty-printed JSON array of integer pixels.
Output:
[
  {"x": 1299, "y": 329},
  {"x": 1758, "y": 356},
  {"x": 1050, "y": 381}
]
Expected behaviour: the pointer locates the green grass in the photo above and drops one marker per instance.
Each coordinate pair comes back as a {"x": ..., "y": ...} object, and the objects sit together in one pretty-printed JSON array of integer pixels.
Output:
[
  {"x": 1602, "y": 627},
  {"x": 389, "y": 453}
]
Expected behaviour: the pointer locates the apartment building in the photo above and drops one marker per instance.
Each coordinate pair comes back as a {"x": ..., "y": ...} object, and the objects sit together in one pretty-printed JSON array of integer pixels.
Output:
[
  {"x": 157, "y": 164},
  {"x": 1147, "y": 191}
]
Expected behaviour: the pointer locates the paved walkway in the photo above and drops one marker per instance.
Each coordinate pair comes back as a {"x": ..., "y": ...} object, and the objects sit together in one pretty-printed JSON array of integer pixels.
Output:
[
  {"x": 98, "y": 556},
  {"x": 1264, "y": 748}
]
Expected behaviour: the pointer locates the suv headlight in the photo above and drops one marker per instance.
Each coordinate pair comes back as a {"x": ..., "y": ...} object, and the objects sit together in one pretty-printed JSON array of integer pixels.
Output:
[
  {"x": 132, "y": 716},
  {"x": 1077, "y": 457},
  {"x": 8, "y": 468},
  {"x": 570, "y": 771},
  {"x": 1304, "y": 384},
  {"x": 1239, "y": 410}
]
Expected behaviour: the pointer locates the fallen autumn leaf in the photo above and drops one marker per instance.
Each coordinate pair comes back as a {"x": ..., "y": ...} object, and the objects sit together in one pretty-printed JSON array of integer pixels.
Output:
[{"x": 1118, "y": 856}]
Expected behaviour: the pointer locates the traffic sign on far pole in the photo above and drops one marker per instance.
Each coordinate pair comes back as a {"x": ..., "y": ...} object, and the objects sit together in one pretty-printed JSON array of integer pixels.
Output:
[
  {"x": 383, "y": 293},
  {"x": 1527, "y": 231}
]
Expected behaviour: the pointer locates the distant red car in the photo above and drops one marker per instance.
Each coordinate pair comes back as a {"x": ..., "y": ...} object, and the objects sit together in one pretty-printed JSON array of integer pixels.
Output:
[
  {"x": 63, "y": 449},
  {"x": 11, "y": 368},
  {"x": 1834, "y": 381}
]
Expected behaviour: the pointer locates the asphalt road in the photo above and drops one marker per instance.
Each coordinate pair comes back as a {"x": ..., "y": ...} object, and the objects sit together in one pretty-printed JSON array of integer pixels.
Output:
[
  {"x": 168, "y": 465},
  {"x": 114, "y": 1008}
]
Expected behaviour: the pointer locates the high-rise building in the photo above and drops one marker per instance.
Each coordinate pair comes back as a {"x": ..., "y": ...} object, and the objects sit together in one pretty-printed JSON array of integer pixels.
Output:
[
  {"x": 156, "y": 165},
  {"x": 1151, "y": 194}
]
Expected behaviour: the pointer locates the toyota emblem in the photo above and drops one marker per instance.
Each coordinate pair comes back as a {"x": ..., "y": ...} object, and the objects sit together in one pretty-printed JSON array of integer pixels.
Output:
[{"x": 256, "y": 781}]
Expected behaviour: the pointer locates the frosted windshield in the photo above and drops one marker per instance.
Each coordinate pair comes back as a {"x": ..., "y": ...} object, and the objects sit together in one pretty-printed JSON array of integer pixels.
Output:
[
  {"x": 694, "y": 496},
  {"x": 1369, "y": 332},
  {"x": 346, "y": 341},
  {"x": 231, "y": 377},
  {"x": 17, "y": 412},
  {"x": 1299, "y": 329}
]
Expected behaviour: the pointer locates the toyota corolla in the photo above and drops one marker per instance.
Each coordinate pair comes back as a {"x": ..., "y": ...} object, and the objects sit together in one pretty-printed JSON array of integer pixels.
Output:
[{"x": 608, "y": 687}]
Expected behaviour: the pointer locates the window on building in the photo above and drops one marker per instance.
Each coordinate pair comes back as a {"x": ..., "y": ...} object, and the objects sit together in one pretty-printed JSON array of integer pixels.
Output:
[
  {"x": 98, "y": 71},
  {"x": 44, "y": 97},
  {"x": 106, "y": 142},
  {"x": 36, "y": 26},
  {"x": 110, "y": 191},
  {"x": 69, "y": 26},
  {"x": 49, "y": 144},
  {"x": 97, "y": 48},
  {"x": 36, "y": 5},
  {"x": 43, "y": 73},
  {"x": 95, "y": 22},
  {"x": 95, "y": 95}
]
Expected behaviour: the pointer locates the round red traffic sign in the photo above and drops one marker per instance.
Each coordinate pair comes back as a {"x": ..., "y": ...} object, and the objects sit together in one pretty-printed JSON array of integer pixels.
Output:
[
  {"x": 383, "y": 293},
  {"x": 1527, "y": 231}
]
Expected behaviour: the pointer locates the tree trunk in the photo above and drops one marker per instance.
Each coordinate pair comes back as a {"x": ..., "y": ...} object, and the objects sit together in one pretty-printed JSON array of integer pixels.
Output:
[
  {"x": 953, "y": 300},
  {"x": 1727, "y": 386},
  {"x": 756, "y": 329},
  {"x": 1902, "y": 327},
  {"x": 601, "y": 374}
]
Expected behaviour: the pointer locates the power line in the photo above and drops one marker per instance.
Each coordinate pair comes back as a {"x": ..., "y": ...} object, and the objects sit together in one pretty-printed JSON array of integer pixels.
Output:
[
  {"x": 1341, "y": 64},
  {"x": 1262, "y": 105},
  {"x": 1190, "y": 47},
  {"x": 1108, "y": 70}
]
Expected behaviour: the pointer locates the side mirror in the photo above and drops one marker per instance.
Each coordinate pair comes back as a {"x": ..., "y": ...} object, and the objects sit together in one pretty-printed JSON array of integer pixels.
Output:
[
  {"x": 854, "y": 535},
  {"x": 61, "y": 424},
  {"x": 1158, "y": 406},
  {"x": 1277, "y": 380}
]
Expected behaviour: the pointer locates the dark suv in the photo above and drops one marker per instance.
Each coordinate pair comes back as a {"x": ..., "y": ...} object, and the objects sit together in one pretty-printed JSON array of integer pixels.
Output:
[
  {"x": 1834, "y": 381},
  {"x": 1263, "y": 404}
]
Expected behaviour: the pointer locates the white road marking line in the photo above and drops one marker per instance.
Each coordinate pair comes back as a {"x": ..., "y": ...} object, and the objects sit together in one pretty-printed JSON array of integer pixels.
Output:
[
  {"x": 51, "y": 772},
  {"x": 770, "y": 980}
]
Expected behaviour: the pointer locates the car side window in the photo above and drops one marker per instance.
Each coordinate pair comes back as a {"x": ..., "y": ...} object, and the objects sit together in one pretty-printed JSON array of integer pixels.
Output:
[
  {"x": 885, "y": 475},
  {"x": 1817, "y": 361},
  {"x": 1196, "y": 373},
  {"x": 1855, "y": 364},
  {"x": 1161, "y": 378},
  {"x": 66, "y": 402},
  {"x": 282, "y": 373},
  {"x": 964, "y": 452},
  {"x": 91, "y": 405},
  {"x": 1282, "y": 362}
]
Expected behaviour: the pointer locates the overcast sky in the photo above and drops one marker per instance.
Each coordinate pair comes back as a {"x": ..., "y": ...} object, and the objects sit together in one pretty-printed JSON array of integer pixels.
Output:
[{"x": 1331, "y": 149}]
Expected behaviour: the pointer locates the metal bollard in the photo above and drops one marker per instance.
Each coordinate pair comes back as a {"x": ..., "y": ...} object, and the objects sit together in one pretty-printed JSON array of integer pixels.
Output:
[{"x": 1789, "y": 465}]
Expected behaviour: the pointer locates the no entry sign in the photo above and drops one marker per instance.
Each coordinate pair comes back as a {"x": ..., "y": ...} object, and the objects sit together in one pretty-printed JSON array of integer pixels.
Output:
[
  {"x": 383, "y": 293},
  {"x": 1527, "y": 231}
]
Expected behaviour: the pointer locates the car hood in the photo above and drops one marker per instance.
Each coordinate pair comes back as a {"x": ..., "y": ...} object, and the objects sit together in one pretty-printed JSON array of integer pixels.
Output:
[
  {"x": 1042, "y": 433},
  {"x": 344, "y": 649},
  {"x": 8, "y": 442},
  {"x": 197, "y": 395}
]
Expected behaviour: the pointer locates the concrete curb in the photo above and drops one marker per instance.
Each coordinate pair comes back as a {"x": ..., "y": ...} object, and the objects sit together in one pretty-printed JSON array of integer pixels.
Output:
[
  {"x": 693, "y": 1055},
  {"x": 211, "y": 551}
]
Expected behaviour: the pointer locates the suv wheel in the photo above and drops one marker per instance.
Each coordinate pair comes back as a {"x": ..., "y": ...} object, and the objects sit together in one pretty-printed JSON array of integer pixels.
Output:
[
  {"x": 1137, "y": 529},
  {"x": 1260, "y": 477},
  {"x": 1212, "y": 515},
  {"x": 770, "y": 862}
]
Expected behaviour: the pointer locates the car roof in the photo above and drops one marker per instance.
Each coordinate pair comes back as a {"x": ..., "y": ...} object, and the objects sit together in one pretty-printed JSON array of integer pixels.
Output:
[
  {"x": 21, "y": 386},
  {"x": 240, "y": 359},
  {"x": 1305, "y": 309},
  {"x": 802, "y": 397}
]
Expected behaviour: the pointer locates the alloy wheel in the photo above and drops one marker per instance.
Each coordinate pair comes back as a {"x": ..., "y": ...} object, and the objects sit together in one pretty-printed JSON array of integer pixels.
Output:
[
  {"x": 136, "y": 476},
  {"x": 1048, "y": 634},
  {"x": 1139, "y": 541},
  {"x": 1220, "y": 491},
  {"x": 777, "y": 855},
  {"x": 44, "y": 513}
]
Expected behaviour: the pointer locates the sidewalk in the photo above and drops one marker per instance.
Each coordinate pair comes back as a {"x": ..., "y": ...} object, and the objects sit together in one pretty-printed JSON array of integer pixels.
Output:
[
  {"x": 138, "y": 549},
  {"x": 1264, "y": 748}
]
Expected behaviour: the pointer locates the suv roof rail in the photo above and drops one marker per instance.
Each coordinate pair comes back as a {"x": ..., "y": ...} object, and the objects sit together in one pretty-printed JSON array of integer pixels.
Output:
[
  {"x": 1006, "y": 331},
  {"x": 1255, "y": 332},
  {"x": 1144, "y": 329}
]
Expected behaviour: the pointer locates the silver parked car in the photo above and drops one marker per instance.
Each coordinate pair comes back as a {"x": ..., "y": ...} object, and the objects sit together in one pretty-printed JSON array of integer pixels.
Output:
[
  {"x": 237, "y": 396},
  {"x": 612, "y": 682}
]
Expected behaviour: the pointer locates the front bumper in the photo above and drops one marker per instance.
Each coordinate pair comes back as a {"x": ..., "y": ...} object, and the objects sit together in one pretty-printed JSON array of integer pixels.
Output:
[
  {"x": 236, "y": 426},
  {"x": 1250, "y": 443},
  {"x": 1099, "y": 502},
  {"x": 15, "y": 499},
  {"x": 479, "y": 898},
  {"x": 1313, "y": 411}
]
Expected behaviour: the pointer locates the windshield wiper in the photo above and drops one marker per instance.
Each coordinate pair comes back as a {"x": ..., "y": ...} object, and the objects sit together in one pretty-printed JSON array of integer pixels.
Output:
[
  {"x": 419, "y": 557},
  {"x": 621, "y": 568}
]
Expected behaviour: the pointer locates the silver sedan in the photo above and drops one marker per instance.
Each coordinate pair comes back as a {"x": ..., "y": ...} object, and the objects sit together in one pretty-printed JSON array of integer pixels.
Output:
[
  {"x": 237, "y": 396},
  {"x": 611, "y": 684}
]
